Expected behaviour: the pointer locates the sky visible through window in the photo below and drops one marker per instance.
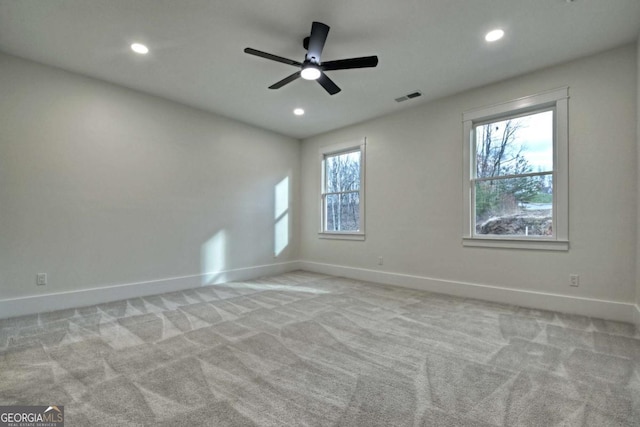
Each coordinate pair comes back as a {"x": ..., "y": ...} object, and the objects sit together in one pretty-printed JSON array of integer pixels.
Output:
[{"x": 534, "y": 139}]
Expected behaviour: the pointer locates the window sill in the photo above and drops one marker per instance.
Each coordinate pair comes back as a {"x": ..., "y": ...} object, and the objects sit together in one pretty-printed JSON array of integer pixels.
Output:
[
  {"x": 540, "y": 244},
  {"x": 341, "y": 236}
]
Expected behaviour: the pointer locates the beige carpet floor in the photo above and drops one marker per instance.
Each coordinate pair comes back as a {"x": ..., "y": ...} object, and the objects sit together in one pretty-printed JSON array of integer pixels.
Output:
[{"x": 302, "y": 349}]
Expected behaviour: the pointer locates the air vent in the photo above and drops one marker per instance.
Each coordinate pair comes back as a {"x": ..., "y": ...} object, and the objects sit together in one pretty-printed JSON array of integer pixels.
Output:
[{"x": 409, "y": 96}]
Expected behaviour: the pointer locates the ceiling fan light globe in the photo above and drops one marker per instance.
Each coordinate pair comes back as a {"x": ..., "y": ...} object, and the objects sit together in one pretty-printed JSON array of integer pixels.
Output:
[
  {"x": 310, "y": 73},
  {"x": 494, "y": 35},
  {"x": 139, "y": 48}
]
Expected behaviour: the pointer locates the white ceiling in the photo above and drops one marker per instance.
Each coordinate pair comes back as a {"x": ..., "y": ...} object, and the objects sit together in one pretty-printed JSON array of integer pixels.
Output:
[{"x": 196, "y": 58}]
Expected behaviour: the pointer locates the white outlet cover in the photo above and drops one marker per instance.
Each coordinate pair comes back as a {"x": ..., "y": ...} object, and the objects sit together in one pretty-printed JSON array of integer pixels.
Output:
[{"x": 41, "y": 279}]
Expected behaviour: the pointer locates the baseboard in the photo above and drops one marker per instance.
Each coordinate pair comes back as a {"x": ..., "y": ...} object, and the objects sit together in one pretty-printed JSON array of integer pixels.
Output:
[
  {"x": 85, "y": 297},
  {"x": 613, "y": 310}
]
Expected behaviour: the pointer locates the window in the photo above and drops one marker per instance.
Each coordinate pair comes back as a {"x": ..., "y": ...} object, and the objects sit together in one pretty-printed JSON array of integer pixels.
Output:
[
  {"x": 342, "y": 193},
  {"x": 516, "y": 173}
]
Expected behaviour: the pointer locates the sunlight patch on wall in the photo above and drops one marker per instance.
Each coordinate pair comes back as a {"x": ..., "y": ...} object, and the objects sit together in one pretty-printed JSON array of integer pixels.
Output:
[
  {"x": 281, "y": 228},
  {"x": 281, "y": 234},
  {"x": 212, "y": 258}
]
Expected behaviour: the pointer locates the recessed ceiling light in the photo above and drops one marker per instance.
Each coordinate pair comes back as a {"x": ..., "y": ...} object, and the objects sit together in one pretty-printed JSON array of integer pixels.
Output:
[
  {"x": 298, "y": 111},
  {"x": 494, "y": 35},
  {"x": 139, "y": 48}
]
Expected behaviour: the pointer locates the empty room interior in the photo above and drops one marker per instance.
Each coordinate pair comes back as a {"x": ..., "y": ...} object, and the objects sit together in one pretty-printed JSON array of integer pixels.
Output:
[{"x": 441, "y": 230}]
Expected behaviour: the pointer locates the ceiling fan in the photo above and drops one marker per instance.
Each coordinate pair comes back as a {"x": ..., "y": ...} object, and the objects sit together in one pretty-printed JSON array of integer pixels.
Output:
[{"x": 312, "y": 68}]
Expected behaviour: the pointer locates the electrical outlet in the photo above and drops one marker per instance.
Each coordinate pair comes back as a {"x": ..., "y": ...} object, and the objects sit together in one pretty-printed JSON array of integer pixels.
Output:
[
  {"x": 379, "y": 260},
  {"x": 574, "y": 280},
  {"x": 41, "y": 279}
]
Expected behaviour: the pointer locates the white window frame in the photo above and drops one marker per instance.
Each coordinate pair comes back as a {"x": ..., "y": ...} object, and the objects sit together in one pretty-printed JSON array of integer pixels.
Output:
[
  {"x": 332, "y": 150},
  {"x": 558, "y": 100}
]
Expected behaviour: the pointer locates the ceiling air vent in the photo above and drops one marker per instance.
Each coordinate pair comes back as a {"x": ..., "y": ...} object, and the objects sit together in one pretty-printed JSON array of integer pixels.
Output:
[{"x": 409, "y": 96}]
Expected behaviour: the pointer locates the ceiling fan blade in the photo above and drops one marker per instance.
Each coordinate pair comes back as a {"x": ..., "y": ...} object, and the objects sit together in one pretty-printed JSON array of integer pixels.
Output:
[
  {"x": 345, "y": 64},
  {"x": 266, "y": 55},
  {"x": 319, "y": 33},
  {"x": 328, "y": 84},
  {"x": 285, "y": 81}
]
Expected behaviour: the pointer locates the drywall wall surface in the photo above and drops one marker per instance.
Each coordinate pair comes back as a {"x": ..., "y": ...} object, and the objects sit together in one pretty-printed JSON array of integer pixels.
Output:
[
  {"x": 414, "y": 188},
  {"x": 638, "y": 175},
  {"x": 101, "y": 185}
]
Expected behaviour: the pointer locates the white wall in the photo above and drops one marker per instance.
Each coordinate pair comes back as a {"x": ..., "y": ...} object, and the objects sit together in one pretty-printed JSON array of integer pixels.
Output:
[
  {"x": 638, "y": 150},
  {"x": 414, "y": 189},
  {"x": 103, "y": 186}
]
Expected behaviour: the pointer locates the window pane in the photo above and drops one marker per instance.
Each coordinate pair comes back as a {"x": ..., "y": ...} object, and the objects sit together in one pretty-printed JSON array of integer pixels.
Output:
[
  {"x": 515, "y": 146},
  {"x": 342, "y": 172},
  {"x": 342, "y": 212},
  {"x": 515, "y": 206}
]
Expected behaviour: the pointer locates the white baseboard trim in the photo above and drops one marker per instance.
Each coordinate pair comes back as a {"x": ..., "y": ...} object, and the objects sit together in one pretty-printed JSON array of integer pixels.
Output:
[
  {"x": 85, "y": 297},
  {"x": 613, "y": 310}
]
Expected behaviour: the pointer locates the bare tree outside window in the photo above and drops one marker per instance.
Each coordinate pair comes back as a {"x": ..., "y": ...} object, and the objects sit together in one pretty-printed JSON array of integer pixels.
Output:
[
  {"x": 342, "y": 191},
  {"x": 513, "y": 182}
]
